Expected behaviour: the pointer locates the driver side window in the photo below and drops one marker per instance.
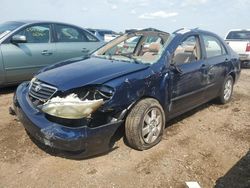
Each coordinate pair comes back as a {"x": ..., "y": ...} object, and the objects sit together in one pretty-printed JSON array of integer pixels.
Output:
[
  {"x": 37, "y": 33},
  {"x": 187, "y": 51}
]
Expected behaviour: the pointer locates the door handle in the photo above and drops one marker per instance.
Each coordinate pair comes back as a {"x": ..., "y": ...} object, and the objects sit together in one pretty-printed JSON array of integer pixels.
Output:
[{"x": 46, "y": 52}]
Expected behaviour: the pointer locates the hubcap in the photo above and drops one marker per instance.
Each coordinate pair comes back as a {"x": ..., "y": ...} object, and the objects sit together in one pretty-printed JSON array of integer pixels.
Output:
[
  {"x": 228, "y": 90},
  {"x": 152, "y": 125}
]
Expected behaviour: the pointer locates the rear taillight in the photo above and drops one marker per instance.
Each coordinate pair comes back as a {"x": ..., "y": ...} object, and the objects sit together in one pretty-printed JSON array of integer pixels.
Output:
[{"x": 248, "y": 47}]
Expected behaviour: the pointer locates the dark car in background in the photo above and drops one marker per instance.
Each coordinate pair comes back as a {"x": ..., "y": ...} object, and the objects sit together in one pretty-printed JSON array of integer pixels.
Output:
[
  {"x": 104, "y": 34},
  {"x": 74, "y": 110},
  {"x": 27, "y": 46}
]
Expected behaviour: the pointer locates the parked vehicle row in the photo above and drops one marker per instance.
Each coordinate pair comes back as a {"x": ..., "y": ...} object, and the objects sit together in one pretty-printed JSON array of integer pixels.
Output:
[
  {"x": 78, "y": 105},
  {"x": 239, "y": 41},
  {"x": 28, "y": 46}
]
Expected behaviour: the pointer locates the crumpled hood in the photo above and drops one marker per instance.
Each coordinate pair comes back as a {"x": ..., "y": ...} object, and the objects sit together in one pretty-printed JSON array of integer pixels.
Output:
[{"x": 85, "y": 72}]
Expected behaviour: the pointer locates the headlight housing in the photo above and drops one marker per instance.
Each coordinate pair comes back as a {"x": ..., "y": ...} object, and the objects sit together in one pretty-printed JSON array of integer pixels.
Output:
[
  {"x": 78, "y": 103},
  {"x": 71, "y": 107}
]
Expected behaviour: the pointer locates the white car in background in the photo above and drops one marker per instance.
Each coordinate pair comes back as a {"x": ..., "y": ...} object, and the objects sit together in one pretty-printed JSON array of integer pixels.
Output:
[
  {"x": 109, "y": 37},
  {"x": 239, "y": 41}
]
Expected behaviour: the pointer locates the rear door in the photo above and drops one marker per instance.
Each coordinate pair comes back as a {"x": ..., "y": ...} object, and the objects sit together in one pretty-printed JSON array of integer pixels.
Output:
[
  {"x": 23, "y": 59},
  {"x": 187, "y": 74},
  {"x": 217, "y": 62},
  {"x": 73, "y": 42}
]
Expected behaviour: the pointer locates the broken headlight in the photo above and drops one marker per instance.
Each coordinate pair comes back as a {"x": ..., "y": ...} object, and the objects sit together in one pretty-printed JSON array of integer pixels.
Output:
[{"x": 78, "y": 103}]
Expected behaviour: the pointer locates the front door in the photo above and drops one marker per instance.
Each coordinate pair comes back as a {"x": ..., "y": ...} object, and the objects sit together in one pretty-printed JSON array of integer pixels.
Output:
[
  {"x": 22, "y": 60},
  {"x": 187, "y": 82}
]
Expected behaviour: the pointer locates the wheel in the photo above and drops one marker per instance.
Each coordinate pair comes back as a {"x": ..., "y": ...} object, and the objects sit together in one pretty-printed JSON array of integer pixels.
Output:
[
  {"x": 144, "y": 124},
  {"x": 226, "y": 90}
]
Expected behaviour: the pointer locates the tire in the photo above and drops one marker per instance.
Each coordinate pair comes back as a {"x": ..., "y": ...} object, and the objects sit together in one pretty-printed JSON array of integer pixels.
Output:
[
  {"x": 226, "y": 90},
  {"x": 144, "y": 124}
]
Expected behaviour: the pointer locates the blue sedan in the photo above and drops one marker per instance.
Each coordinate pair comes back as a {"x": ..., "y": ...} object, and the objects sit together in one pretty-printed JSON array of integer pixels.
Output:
[{"x": 78, "y": 105}]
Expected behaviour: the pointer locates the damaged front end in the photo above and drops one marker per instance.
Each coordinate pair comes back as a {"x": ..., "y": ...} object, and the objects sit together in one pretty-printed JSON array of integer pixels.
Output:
[
  {"x": 85, "y": 106},
  {"x": 76, "y": 120}
]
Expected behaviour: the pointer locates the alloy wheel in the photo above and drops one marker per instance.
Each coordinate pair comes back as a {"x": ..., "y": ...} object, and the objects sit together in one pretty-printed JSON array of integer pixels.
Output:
[
  {"x": 228, "y": 89},
  {"x": 152, "y": 125}
]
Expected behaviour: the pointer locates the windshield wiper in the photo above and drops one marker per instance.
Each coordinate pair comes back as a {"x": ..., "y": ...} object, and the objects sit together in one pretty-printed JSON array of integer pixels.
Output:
[
  {"x": 112, "y": 57},
  {"x": 97, "y": 56}
]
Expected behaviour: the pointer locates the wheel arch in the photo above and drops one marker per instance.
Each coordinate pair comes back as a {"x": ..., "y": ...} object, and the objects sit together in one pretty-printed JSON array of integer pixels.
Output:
[
  {"x": 233, "y": 75},
  {"x": 124, "y": 115}
]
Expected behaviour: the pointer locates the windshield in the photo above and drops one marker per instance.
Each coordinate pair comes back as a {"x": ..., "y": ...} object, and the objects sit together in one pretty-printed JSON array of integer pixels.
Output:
[
  {"x": 7, "y": 27},
  {"x": 239, "y": 35},
  {"x": 140, "y": 47}
]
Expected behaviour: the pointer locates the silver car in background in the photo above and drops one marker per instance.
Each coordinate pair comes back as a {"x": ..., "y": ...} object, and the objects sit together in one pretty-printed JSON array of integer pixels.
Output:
[{"x": 28, "y": 46}]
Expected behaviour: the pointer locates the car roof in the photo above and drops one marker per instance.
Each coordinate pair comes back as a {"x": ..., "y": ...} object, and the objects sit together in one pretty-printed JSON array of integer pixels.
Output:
[
  {"x": 239, "y": 30},
  {"x": 195, "y": 30},
  {"x": 43, "y": 21}
]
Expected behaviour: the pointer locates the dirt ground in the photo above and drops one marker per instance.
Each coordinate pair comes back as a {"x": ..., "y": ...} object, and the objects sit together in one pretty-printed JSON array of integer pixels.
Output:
[{"x": 209, "y": 145}]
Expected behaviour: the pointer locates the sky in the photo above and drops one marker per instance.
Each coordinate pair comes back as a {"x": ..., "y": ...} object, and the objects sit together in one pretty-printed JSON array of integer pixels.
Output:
[{"x": 217, "y": 16}]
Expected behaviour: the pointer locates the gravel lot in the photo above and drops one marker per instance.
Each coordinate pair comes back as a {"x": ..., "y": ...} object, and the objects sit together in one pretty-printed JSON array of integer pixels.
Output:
[{"x": 209, "y": 145}]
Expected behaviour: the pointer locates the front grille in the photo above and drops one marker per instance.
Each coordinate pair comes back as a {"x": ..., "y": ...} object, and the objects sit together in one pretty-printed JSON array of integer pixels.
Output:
[{"x": 41, "y": 91}]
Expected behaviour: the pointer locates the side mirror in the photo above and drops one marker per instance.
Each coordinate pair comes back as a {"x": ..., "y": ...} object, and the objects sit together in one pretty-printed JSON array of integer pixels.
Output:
[
  {"x": 18, "y": 39},
  {"x": 177, "y": 68},
  {"x": 170, "y": 58},
  {"x": 174, "y": 64}
]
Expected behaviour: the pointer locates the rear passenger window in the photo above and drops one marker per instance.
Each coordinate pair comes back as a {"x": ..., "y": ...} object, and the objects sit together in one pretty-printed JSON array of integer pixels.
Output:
[
  {"x": 67, "y": 33},
  {"x": 187, "y": 51},
  {"x": 213, "y": 46}
]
